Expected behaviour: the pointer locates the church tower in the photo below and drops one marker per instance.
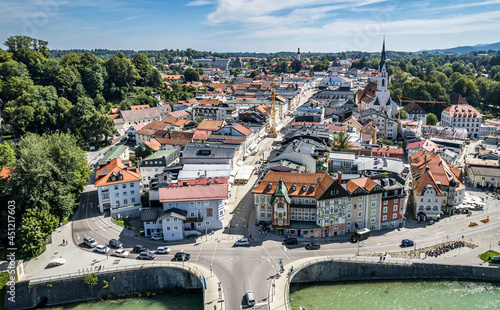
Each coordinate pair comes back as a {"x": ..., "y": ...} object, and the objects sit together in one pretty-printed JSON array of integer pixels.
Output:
[
  {"x": 298, "y": 54},
  {"x": 383, "y": 94}
]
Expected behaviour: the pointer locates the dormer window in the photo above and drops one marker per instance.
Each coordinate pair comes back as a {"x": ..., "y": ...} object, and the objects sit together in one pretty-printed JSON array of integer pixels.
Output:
[{"x": 113, "y": 178}]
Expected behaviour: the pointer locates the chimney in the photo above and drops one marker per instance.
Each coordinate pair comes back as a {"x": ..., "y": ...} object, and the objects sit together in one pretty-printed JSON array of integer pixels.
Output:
[{"x": 339, "y": 177}]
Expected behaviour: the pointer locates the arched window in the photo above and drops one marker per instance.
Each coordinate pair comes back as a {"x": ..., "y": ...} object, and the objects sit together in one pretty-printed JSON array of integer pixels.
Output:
[
  {"x": 280, "y": 205},
  {"x": 421, "y": 208},
  {"x": 383, "y": 82},
  {"x": 428, "y": 208},
  {"x": 435, "y": 208}
]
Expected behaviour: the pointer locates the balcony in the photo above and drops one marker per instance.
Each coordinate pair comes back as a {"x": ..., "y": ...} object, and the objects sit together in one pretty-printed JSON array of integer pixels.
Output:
[{"x": 198, "y": 219}]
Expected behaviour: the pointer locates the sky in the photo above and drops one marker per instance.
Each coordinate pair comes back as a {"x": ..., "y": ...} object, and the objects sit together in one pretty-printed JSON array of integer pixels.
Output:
[{"x": 253, "y": 25}]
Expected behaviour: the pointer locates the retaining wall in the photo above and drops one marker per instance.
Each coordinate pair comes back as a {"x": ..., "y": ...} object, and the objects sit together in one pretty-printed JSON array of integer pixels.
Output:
[
  {"x": 121, "y": 283},
  {"x": 330, "y": 271}
]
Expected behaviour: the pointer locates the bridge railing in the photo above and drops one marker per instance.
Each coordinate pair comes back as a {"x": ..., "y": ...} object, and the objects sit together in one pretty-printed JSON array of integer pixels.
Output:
[
  {"x": 103, "y": 270},
  {"x": 354, "y": 259}
]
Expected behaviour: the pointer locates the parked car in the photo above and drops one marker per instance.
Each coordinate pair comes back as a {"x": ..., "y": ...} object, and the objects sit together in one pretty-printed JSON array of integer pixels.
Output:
[
  {"x": 157, "y": 236},
  {"x": 243, "y": 241},
  {"x": 102, "y": 249},
  {"x": 406, "y": 243},
  {"x": 115, "y": 243},
  {"x": 182, "y": 256},
  {"x": 250, "y": 297},
  {"x": 146, "y": 255},
  {"x": 162, "y": 250},
  {"x": 120, "y": 253},
  {"x": 140, "y": 248},
  {"x": 313, "y": 246},
  {"x": 290, "y": 241}
]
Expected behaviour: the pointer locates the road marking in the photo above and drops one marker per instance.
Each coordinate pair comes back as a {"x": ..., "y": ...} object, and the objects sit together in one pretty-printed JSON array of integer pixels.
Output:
[
  {"x": 199, "y": 252},
  {"x": 77, "y": 236},
  {"x": 213, "y": 256},
  {"x": 269, "y": 255},
  {"x": 282, "y": 251}
]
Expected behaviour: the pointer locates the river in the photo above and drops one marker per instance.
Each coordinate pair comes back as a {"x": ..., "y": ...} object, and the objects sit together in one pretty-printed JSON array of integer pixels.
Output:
[
  {"x": 389, "y": 295},
  {"x": 170, "y": 301}
]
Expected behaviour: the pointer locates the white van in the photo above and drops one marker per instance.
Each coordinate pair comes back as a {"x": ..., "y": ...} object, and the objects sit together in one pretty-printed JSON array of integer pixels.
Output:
[
  {"x": 90, "y": 241},
  {"x": 250, "y": 298}
]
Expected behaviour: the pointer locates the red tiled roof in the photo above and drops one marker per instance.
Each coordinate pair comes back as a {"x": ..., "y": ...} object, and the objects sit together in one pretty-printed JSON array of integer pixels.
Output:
[
  {"x": 243, "y": 130},
  {"x": 337, "y": 128},
  {"x": 201, "y": 134},
  {"x": 210, "y": 124},
  {"x": 139, "y": 107},
  {"x": 154, "y": 144},
  {"x": 203, "y": 181},
  {"x": 116, "y": 166},
  {"x": 193, "y": 193},
  {"x": 365, "y": 183},
  {"x": 169, "y": 120},
  {"x": 463, "y": 111},
  {"x": 181, "y": 122},
  {"x": 387, "y": 150}
]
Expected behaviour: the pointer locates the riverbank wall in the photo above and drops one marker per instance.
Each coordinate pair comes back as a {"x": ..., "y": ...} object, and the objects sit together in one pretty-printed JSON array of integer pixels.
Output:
[
  {"x": 332, "y": 271},
  {"x": 29, "y": 294}
]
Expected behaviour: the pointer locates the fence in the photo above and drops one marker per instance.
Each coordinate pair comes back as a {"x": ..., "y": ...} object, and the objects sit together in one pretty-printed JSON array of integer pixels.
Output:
[{"x": 355, "y": 259}]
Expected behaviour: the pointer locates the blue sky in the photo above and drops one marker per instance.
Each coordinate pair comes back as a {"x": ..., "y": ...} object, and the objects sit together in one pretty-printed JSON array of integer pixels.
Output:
[{"x": 253, "y": 25}]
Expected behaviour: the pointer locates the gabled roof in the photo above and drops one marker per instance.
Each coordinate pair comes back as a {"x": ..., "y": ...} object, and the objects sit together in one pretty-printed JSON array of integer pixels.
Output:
[
  {"x": 354, "y": 119},
  {"x": 209, "y": 124},
  {"x": 115, "y": 168},
  {"x": 463, "y": 111},
  {"x": 193, "y": 193},
  {"x": 413, "y": 108},
  {"x": 153, "y": 144},
  {"x": 138, "y": 107},
  {"x": 426, "y": 144},
  {"x": 181, "y": 122},
  {"x": 242, "y": 129},
  {"x": 138, "y": 126},
  {"x": 441, "y": 170},
  {"x": 367, "y": 185},
  {"x": 135, "y": 115}
]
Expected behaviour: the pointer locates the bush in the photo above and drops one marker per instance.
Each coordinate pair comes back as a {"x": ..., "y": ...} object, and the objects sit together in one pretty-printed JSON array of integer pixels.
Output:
[{"x": 91, "y": 279}]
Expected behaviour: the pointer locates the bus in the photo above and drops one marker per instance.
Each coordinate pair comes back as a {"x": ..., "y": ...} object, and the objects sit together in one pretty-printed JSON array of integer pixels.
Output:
[{"x": 360, "y": 235}]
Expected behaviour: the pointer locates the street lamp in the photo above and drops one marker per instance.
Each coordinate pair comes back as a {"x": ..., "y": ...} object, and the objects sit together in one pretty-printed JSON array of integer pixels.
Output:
[{"x": 358, "y": 246}]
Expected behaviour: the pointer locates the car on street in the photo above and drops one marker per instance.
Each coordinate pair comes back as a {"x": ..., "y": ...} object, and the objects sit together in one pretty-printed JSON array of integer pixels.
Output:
[
  {"x": 115, "y": 243},
  {"x": 313, "y": 246},
  {"x": 157, "y": 236},
  {"x": 407, "y": 243},
  {"x": 162, "y": 250},
  {"x": 243, "y": 241},
  {"x": 89, "y": 241},
  {"x": 146, "y": 255},
  {"x": 101, "y": 249},
  {"x": 140, "y": 248},
  {"x": 181, "y": 256},
  {"x": 290, "y": 241},
  {"x": 120, "y": 253}
]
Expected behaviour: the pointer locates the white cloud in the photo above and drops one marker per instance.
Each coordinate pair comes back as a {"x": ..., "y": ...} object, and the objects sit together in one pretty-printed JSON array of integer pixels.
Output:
[{"x": 199, "y": 3}]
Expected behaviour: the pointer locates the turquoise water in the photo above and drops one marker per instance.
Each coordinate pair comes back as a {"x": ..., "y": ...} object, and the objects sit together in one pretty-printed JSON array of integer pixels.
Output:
[
  {"x": 396, "y": 295},
  {"x": 171, "y": 301}
]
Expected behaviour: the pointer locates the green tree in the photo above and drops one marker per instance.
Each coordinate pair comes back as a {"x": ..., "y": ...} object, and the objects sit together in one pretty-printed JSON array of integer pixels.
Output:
[
  {"x": 401, "y": 114},
  {"x": 341, "y": 141},
  {"x": 143, "y": 67},
  {"x": 296, "y": 65},
  {"x": 431, "y": 119},
  {"x": 91, "y": 279},
  {"x": 155, "y": 80},
  {"x": 7, "y": 155},
  {"x": 36, "y": 225},
  {"x": 191, "y": 75}
]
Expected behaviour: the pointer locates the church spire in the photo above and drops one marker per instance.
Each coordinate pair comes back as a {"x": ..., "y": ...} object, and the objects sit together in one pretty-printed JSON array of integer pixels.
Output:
[{"x": 382, "y": 59}]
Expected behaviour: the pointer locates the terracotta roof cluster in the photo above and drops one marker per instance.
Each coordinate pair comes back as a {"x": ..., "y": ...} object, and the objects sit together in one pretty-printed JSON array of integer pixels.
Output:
[
  {"x": 463, "y": 111},
  {"x": 313, "y": 183},
  {"x": 210, "y": 102},
  {"x": 429, "y": 168},
  {"x": 368, "y": 94},
  {"x": 116, "y": 171}
]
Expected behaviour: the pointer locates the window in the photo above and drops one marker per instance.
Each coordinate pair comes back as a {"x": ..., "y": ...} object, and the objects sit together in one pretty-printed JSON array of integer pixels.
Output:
[
  {"x": 360, "y": 214},
  {"x": 116, "y": 186},
  {"x": 117, "y": 194},
  {"x": 168, "y": 228},
  {"x": 198, "y": 224},
  {"x": 384, "y": 218},
  {"x": 349, "y": 215},
  {"x": 349, "y": 207},
  {"x": 348, "y": 224},
  {"x": 176, "y": 227},
  {"x": 395, "y": 208},
  {"x": 394, "y": 216},
  {"x": 306, "y": 201},
  {"x": 349, "y": 199},
  {"x": 207, "y": 223},
  {"x": 360, "y": 198},
  {"x": 360, "y": 206},
  {"x": 436, "y": 200},
  {"x": 131, "y": 184},
  {"x": 191, "y": 214},
  {"x": 269, "y": 215},
  {"x": 211, "y": 213},
  {"x": 374, "y": 212},
  {"x": 262, "y": 208},
  {"x": 360, "y": 222},
  {"x": 125, "y": 201},
  {"x": 385, "y": 209},
  {"x": 372, "y": 220},
  {"x": 374, "y": 204},
  {"x": 191, "y": 204},
  {"x": 280, "y": 205},
  {"x": 396, "y": 200},
  {"x": 132, "y": 192},
  {"x": 262, "y": 215},
  {"x": 374, "y": 196},
  {"x": 198, "y": 204},
  {"x": 124, "y": 185},
  {"x": 117, "y": 203},
  {"x": 124, "y": 193},
  {"x": 421, "y": 208},
  {"x": 386, "y": 202},
  {"x": 206, "y": 204}
]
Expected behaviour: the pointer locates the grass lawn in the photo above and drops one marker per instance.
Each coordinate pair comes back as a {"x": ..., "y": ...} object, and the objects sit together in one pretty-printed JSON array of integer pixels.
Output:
[
  {"x": 122, "y": 223},
  {"x": 486, "y": 255}
]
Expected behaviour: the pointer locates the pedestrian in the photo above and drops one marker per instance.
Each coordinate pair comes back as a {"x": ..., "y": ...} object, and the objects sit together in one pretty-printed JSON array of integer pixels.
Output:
[
  {"x": 266, "y": 232},
  {"x": 380, "y": 258},
  {"x": 384, "y": 258},
  {"x": 63, "y": 241},
  {"x": 291, "y": 269}
]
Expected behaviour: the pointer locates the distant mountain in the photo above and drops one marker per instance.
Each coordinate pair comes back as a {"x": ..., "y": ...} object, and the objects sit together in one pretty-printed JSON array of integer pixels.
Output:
[{"x": 466, "y": 49}]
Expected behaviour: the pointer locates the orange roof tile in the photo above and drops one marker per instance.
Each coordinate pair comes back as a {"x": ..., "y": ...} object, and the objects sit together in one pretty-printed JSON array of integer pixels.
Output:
[
  {"x": 153, "y": 144},
  {"x": 210, "y": 124},
  {"x": 139, "y": 107},
  {"x": 115, "y": 168}
]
